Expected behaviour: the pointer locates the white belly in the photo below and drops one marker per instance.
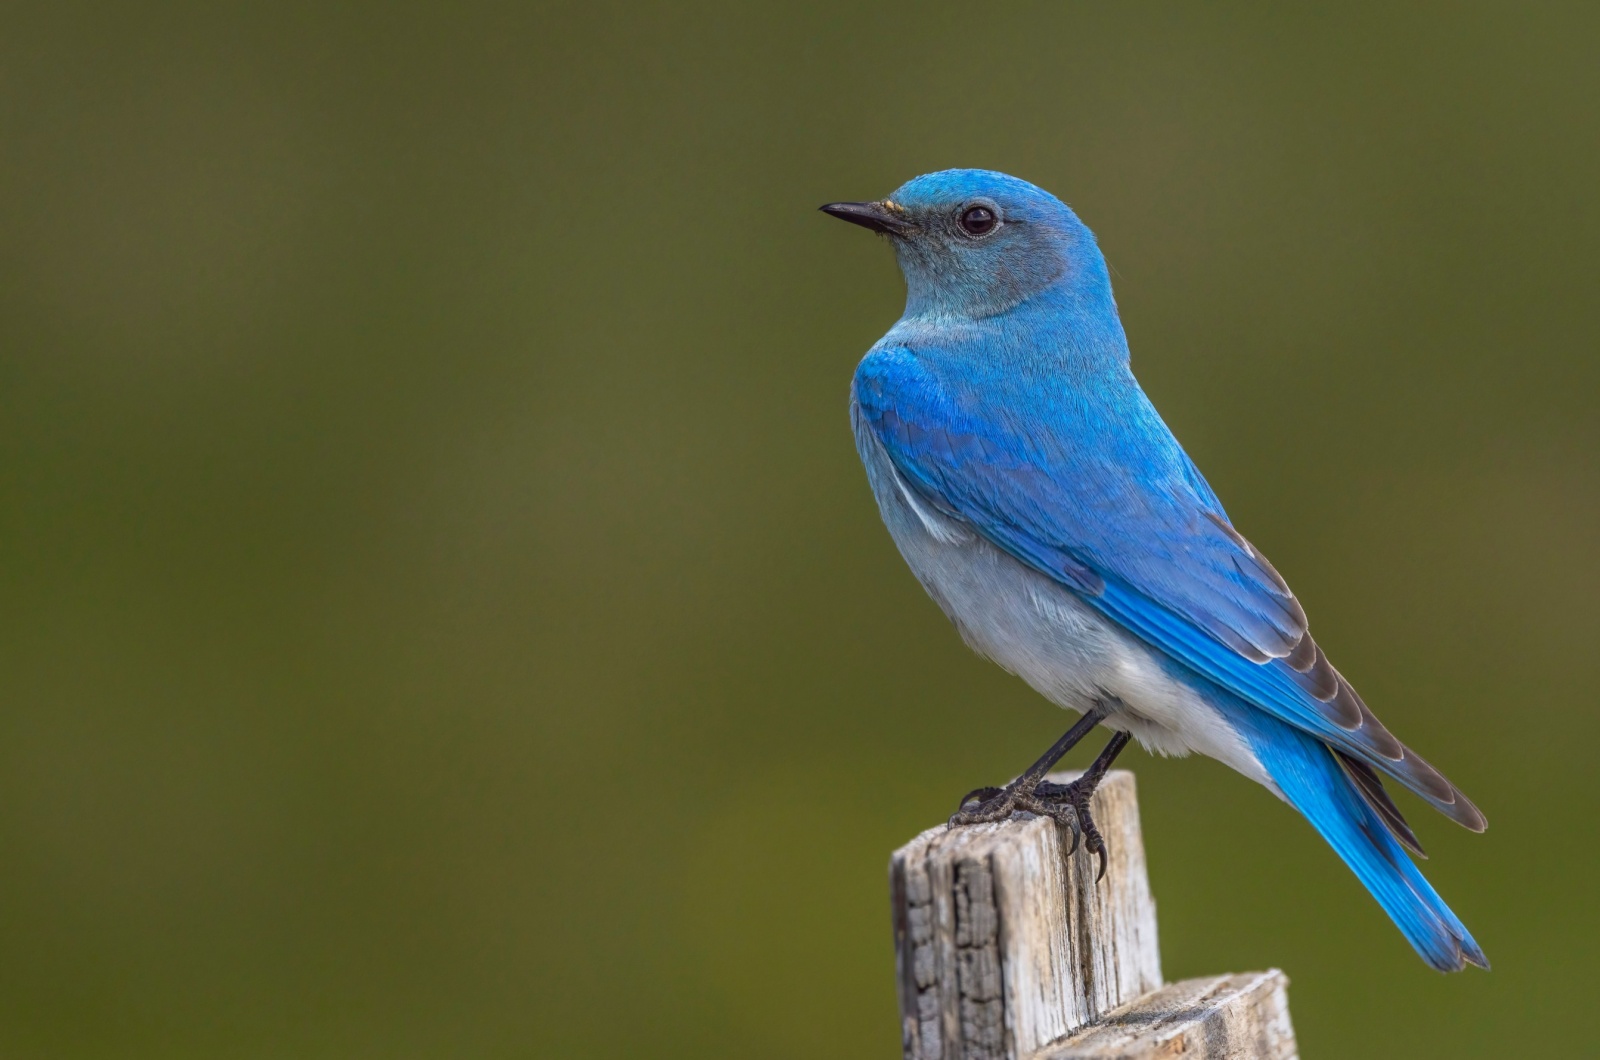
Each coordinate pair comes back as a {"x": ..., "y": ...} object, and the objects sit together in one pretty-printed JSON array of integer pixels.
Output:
[{"x": 1039, "y": 630}]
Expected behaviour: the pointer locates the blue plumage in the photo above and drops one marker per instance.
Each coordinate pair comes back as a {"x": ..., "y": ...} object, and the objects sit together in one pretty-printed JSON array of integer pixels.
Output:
[
  {"x": 1041, "y": 500},
  {"x": 1308, "y": 776}
]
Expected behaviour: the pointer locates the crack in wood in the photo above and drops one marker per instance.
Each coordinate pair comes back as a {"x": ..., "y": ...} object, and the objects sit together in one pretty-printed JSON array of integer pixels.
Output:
[{"x": 1008, "y": 948}]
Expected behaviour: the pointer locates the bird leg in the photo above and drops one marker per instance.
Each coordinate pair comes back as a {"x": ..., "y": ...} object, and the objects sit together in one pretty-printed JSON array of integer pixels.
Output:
[
  {"x": 1076, "y": 795},
  {"x": 996, "y": 804}
]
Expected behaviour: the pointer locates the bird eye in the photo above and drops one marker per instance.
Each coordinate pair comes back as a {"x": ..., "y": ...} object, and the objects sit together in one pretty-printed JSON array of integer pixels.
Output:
[{"x": 977, "y": 220}]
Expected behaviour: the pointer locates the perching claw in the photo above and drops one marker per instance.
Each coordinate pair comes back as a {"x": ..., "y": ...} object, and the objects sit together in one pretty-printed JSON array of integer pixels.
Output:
[
  {"x": 1069, "y": 803},
  {"x": 1066, "y": 804},
  {"x": 996, "y": 804},
  {"x": 978, "y": 795}
]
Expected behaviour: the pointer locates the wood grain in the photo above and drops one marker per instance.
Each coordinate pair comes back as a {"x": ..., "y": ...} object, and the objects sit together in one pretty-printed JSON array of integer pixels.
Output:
[
  {"x": 1004, "y": 943},
  {"x": 1008, "y": 948},
  {"x": 1224, "y": 1017}
]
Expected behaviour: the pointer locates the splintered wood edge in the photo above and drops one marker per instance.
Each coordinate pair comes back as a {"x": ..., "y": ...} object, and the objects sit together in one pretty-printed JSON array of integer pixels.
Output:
[
  {"x": 1003, "y": 943},
  {"x": 1215, "y": 1018}
]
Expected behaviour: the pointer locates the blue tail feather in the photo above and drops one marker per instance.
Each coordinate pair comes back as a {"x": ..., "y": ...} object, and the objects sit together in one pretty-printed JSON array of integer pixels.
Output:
[{"x": 1310, "y": 778}]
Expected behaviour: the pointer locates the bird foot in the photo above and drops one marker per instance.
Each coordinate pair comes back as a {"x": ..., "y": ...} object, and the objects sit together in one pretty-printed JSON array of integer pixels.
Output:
[
  {"x": 1076, "y": 796},
  {"x": 1066, "y": 804}
]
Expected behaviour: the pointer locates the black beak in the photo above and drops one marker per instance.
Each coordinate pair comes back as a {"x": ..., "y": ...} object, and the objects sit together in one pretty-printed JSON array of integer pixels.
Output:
[{"x": 873, "y": 215}]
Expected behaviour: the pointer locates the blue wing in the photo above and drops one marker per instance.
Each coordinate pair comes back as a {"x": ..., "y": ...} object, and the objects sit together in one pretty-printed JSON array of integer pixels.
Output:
[{"x": 1117, "y": 512}]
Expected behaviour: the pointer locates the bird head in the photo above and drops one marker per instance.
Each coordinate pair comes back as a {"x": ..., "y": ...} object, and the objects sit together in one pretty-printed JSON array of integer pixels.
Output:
[{"x": 973, "y": 243}]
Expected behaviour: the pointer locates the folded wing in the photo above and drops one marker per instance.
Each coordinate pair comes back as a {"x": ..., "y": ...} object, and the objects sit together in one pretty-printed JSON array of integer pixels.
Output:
[{"x": 1142, "y": 538}]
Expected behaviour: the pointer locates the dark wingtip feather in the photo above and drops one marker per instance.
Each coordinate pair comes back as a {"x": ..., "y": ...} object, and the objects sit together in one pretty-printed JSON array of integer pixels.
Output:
[
  {"x": 1425, "y": 780},
  {"x": 1242, "y": 646},
  {"x": 1369, "y": 739},
  {"x": 1346, "y": 710},
  {"x": 1429, "y": 782},
  {"x": 1383, "y": 742},
  {"x": 1405, "y": 766},
  {"x": 1464, "y": 813},
  {"x": 1304, "y": 654},
  {"x": 1370, "y": 785},
  {"x": 1322, "y": 681}
]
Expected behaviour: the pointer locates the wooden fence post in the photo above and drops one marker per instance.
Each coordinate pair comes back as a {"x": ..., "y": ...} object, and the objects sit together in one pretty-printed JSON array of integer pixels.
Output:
[{"x": 1006, "y": 948}]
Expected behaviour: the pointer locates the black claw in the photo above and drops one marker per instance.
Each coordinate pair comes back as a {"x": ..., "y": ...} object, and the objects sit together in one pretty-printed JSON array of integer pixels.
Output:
[
  {"x": 1069, "y": 805},
  {"x": 979, "y": 795},
  {"x": 1066, "y": 804},
  {"x": 1093, "y": 842},
  {"x": 994, "y": 804}
]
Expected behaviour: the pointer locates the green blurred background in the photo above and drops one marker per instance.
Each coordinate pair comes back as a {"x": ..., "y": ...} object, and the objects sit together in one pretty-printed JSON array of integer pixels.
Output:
[{"x": 442, "y": 611}]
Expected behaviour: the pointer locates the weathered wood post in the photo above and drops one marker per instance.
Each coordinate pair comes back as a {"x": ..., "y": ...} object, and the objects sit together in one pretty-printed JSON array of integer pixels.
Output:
[{"x": 1007, "y": 948}]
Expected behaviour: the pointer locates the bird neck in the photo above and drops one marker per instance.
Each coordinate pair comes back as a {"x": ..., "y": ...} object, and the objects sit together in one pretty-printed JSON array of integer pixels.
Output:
[{"x": 1064, "y": 328}]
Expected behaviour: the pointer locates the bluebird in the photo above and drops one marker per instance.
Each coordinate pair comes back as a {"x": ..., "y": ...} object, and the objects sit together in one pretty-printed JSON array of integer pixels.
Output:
[{"x": 1047, "y": 509}]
